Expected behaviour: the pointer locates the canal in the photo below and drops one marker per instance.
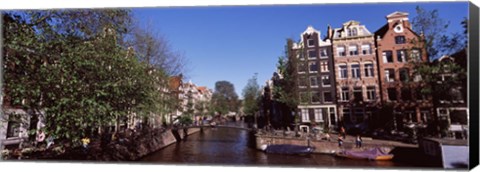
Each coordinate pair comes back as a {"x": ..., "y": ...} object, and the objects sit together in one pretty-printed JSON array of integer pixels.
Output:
[{"x": 224, "y": 146}]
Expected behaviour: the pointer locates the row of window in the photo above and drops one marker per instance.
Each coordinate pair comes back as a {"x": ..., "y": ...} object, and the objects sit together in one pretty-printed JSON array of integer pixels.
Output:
[
  {"x": 313, "y": 67},
  {"x": 315, "y": 97},
  {"x": 405, "y": 94},
  {"x": 313, "y": 54},
  {"x": 357, "y": 93},
  {"x": 319, "y": 115},
  {"x": 355, "y": 71},
  {"x": 404, "y": 75},
  {"x": 387, "y": 56},
  {"x": 353, "y": 50},
  {"x": 314, "y": 81}
]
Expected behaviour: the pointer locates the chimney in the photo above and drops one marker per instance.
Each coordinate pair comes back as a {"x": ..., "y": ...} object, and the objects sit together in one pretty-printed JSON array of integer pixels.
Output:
[{"x": 329, "y": 32}]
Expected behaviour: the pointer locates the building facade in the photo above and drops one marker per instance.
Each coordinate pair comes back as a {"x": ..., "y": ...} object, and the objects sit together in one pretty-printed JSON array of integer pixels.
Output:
[
  {"x": 357, "y": 82},
  {"x": 316, "y": 86},
  {"x": 398, "y": 46}
]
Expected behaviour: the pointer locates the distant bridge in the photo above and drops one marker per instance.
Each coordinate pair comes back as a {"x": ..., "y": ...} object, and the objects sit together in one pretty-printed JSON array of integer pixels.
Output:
[{"x": 217, "y": 126}]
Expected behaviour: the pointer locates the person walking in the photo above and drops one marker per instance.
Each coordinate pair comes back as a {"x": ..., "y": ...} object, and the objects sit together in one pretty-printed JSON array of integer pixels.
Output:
[
  {"x": 358, "y": 141},
  {"x": 340, "y": 141},
  {"x": 343, "y": 133}
]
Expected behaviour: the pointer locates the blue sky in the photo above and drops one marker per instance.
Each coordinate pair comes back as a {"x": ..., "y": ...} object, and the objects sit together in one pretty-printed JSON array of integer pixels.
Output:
[{"x": 233, "y": 42}]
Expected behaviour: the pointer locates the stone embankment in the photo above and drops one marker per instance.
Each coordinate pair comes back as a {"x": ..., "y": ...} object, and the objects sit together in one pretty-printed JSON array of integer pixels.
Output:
[
  {"x": 122, "y": 149},
  {"x": 323, "y": 145}
]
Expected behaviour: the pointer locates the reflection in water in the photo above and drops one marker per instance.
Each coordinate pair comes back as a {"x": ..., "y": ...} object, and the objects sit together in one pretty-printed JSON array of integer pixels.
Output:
[{"x": 231, "y": 147}]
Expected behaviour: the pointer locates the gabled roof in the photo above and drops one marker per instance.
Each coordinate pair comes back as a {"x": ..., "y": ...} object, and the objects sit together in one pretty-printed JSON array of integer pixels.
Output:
[
  {"x": 382, "y": 31},
  {"x": 340, "y": 32},
  {"x": 397, "y": 14},
  {"x": 175, "y": 82}
]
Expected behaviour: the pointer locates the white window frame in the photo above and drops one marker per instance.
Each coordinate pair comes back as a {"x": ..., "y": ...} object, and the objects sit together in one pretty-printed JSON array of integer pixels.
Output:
[
  {"x": 366, "y": 47},
  {"x": 311, "y": 84},
  {"x": 315, "y": 93},
  {"x": 369, "y": 71},
  {"x": 330, "y": 97},
  {"x": 326, "y": 76},
  {"x": 305, "y": 116},
  {"x": 355, "y": 71},
  {"x": 353, "y": 48},
  {"x": 341, "y": 49},
  {"x": 371, "y": 93},
  {"x": 308, "y": 54},
  {"x": 318, "y": 115},
  {"x": 387, "y": 75},
  {"x": 324, "y": 66},
  {"x": 340, "y": 70},
  {"x": 310, "y": 64},
  {"x": 344, "y": 94},
  {"x": 323, "y": 51},
  {"x": 308, "y": 43}
]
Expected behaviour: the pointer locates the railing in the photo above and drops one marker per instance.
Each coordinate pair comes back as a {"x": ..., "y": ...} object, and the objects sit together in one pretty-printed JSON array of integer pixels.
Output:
[{"x": 215, "y": 126}]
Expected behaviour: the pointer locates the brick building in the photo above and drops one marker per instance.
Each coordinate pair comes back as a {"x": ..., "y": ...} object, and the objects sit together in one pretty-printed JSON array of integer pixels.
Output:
[
  {"x": 357, "y": 82},
  {"x": 397, "y": 47}
]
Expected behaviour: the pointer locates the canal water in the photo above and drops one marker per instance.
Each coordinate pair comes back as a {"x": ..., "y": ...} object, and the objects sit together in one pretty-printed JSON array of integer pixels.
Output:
[{"x": 223, "y": 146}]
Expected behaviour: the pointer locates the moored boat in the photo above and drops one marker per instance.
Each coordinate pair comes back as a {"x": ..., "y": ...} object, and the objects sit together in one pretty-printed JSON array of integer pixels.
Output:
[
  {"x": 288, "y": 149},
  {"x": 371, "y": 154}
]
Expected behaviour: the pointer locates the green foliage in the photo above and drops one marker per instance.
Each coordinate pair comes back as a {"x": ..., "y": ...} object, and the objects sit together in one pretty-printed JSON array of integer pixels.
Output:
[
  {"x": 70, "y": 64},
  {"x": 224, "y": 98},
  {"x": 251, "y": 93},
  {"x": 184, "y": 120},
  {"x": 285, "y": 90}
]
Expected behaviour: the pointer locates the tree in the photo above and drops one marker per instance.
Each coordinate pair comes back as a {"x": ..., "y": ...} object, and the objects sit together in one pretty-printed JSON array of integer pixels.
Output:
[
  {"x": 251, "y": 94},
  {"x": 224, "y": 98},
  {"x": 69, "y": 66},
  {"x": 437, "y": 41}
]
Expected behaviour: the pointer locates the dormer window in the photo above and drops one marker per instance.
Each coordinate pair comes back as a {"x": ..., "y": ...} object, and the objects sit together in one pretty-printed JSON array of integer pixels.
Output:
[{"x": 354, "y": 32}]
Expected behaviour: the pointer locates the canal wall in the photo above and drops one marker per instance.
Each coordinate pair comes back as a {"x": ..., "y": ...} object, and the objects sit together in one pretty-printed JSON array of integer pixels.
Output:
[{"x": 326, "y": 146}]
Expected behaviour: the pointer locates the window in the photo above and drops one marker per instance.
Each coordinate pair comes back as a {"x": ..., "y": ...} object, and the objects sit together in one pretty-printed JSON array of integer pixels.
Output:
[
  {"x": 318, "y": 115},
  {"x": 343, "y": 71},
  {"x": 325, "y": 81},
  {"x": 300, "y": 56},
  {"x": 355, "y": 71},
  {"x": 333, "y": 117},
  {"x": 313, "y": 81},
  {"x": 354, "y": 32},
  {"x": 415, "y": 55},
  {"x": 368, "y": 70},
  {"x": 324, "y": 66},
  {"x": 389, "y": 75},
  {"x": 352, "y": 49},
  {"x": 311, "y": 42},
  {"x": 344, "y": 94},
  {"x": 323, "y": 53},
  {"x": 387, "y": 57},
  {"x": 456, "y": 94},
  {"x": 392, "y": 94},
  {"x": 357, "y": 94},
  {"x": 302, "y": 82},
  {"x": 401, "y": 56},
  {"x": 366, "y": 49},
  {"x": 305, "y": 117},
  {"x": 315, "y": 97},
  {"x": 341, "y": 51},
  {"x": 404, "y": 75},
  {"x": 327, "y": 96},
  {"x": 313, "y": 67},
  {"x": 459, "y": 117},
  {"x": 13, "y": 126},
  {"x": 301, "y": 68},
  {"x": 406, "y": 94},
  {"x": 400, "y": 40},
  {"x": 371, "y": 93},
  {"x": 349, "y": 32},
  {"x": 312, "y": 54}
]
